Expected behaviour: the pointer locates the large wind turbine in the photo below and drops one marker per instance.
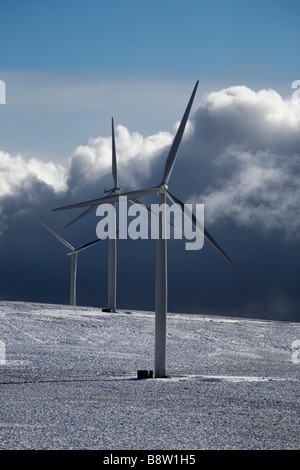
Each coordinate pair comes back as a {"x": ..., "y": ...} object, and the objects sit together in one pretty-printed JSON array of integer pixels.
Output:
[
  {"x": 161, "y": 258},
  {"x": 73, "y": 253}
]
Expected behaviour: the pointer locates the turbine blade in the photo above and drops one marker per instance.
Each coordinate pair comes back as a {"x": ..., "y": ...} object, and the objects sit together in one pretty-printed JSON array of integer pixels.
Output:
[
  {"x": 114, "y": 157},
  {"x": 86, "y": 212},
  {"x": 109, "y": 199},
  {"x": 207, "y": 235},
  {"x": 186, "y": 212},
  {"x": 176, "y": 142},
  {"x": 215, "y": 244},
  {"x": 62, "y": 240},
  {"x": 139, "y": 203},
  {"x": 87, "y": 245}
]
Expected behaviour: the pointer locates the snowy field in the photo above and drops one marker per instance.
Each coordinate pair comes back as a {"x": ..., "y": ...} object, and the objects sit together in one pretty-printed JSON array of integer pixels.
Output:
[{"x": 68, "y": 380}]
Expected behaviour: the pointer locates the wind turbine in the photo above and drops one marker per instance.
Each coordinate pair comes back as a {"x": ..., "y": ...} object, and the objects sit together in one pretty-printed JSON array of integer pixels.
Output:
[
  {"x": 73, "y": 253},
  {"x": 161, "y": 257},
  {"x": 112, "y": 243}
]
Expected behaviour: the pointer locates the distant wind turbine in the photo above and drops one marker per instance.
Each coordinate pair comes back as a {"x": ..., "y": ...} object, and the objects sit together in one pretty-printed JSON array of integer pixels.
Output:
[
  {"x": 73, "y": 253},
  {"x": 161, "y": 258},
  {"x": 112, "y": 247},
  {"x": 112, "y": 243}
]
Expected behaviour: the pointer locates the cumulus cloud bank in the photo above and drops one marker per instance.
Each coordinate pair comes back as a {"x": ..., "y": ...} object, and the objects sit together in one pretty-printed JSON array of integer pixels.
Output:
[
  {"x": 240, "y": 157},
  {"x": 245, "y": 143},
  {"x": 135, "y": 154},
  {"x": 27, "y": 183},
  {"x": 252, "y": 140}
]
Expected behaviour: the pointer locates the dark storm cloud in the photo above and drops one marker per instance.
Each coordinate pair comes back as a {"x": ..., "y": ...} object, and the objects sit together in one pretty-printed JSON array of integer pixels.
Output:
[{"x": 239, "y": 156}]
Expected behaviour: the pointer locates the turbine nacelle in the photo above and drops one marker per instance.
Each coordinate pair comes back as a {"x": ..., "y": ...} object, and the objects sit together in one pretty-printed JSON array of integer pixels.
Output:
[
  {"x": 73, "y": 252},
  {"x": 113, "y": 191}
]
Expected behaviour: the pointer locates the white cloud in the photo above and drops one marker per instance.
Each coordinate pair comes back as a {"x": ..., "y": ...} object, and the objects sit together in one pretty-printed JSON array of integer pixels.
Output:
[
  {"x": 15, "y": 171},
  {"x": 135, "y": 155},
  {"x": 258, "y": 149},
  {"x": 254, "y": 120},
  {"x": 261, "y": 191}
]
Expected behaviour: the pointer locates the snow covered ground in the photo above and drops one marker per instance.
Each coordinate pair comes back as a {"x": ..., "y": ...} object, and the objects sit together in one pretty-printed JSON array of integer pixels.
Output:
[{"x": 68, "y": 380}]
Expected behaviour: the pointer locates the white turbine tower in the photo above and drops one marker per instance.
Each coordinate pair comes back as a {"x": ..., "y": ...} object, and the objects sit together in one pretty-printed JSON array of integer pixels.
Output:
[
  {"x": 161, "y": 259},
  {"x": 73, "y": 253}
]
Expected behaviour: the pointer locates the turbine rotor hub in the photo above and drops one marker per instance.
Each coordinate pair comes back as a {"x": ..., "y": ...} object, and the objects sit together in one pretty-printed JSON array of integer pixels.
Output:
[{"x": 163, "y": 188}]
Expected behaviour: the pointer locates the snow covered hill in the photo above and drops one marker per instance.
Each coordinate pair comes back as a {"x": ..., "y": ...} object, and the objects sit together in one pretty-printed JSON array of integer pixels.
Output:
[{"x": 68, "y": 380}]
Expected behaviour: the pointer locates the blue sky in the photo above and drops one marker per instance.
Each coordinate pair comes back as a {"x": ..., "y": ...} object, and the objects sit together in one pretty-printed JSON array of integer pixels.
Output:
[
  {"x": 191, "y": 38},
  {"x": 69, "y": 66}
]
